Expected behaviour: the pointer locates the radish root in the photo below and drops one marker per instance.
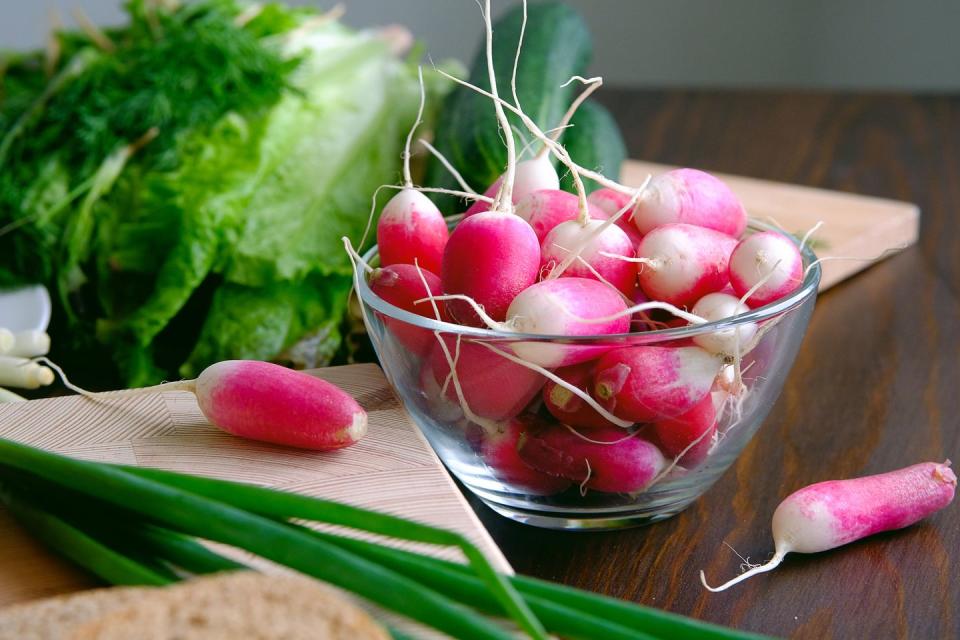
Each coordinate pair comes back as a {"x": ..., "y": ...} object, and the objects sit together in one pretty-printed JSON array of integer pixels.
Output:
[{"x": 770, "y": 566}]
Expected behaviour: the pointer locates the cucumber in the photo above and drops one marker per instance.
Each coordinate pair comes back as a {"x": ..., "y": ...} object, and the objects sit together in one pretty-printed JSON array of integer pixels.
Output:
[
  {"x": 556, "y": 45},
  {"x": 594, "y": 142}
]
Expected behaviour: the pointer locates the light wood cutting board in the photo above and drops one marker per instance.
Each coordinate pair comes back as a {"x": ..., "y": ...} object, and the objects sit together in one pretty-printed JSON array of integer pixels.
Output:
[
  {"x": 391, "y": 469},
  {"x": 854, "y": 225}
]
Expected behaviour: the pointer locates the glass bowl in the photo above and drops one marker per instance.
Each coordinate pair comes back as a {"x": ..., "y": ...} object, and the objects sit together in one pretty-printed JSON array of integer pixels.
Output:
[{"x": 490, "y": 451}]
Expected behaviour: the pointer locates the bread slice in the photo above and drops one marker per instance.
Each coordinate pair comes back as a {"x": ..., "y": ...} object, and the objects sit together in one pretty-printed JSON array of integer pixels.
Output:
[
  {"x": 245, "y": 604},
  {"x": 51, "y": 617}
]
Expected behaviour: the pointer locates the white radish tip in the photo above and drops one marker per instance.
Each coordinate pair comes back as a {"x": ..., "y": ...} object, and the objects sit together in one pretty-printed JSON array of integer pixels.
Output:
[{"x": 6, "y": 340}]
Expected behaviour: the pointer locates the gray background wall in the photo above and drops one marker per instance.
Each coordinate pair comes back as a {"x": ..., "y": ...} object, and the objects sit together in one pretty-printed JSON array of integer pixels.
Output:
[{"x": 857, "y": 44}]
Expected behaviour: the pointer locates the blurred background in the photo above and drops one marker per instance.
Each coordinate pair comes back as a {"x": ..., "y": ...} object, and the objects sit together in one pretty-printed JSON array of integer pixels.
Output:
[{"x": 828, "y": 44}]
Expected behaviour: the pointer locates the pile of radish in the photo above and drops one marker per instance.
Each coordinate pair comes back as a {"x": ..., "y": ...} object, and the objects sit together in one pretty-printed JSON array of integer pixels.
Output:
[{"x": 605, "y": 415}]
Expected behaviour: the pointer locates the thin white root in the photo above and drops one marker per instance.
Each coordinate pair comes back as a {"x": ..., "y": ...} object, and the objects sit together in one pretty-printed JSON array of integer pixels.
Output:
[
  {"x": 809, "y": 234},
  {"x": 504, "y": 199},
  {"x": 407, "y": 180},
  {"x": 516, "y": 56},
  {"x": 563, "y": 383},
  {"x": 592, "y": 441},
  {"x": 448, "y": 166},
  {"x": 737, "y": 351},
  {"x": 744, "y": 562},
  {"x": 583, "y": 485},
  {"x": 644, "y": 306},
  {"x": 882, "y": 254},
  {"x": 177, "y": 385},
  {"x": 355, "y": 257},
  {"x": 602, "y": 280},
  {"x": 773, "y": 564},
  {"x": 653, "y": 263},
  {"x": 592, "y": 85},
  {"x": 478, "y": 308},
  {"x": 676, "y": 460}
]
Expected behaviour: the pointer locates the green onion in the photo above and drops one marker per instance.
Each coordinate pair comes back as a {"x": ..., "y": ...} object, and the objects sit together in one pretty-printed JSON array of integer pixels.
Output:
[
  {"x": 216, "y": 521},
  {"x": 87, "y": 552}
]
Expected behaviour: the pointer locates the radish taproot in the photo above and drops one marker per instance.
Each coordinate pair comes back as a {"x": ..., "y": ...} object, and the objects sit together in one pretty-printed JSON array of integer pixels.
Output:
[
  {"x": 610, "y": 202},
  {"x": 830, "y": 514},
  {"x": 565, "y": 307},
  {"x": 499, "y": 451},
  {"x": 681, "y": 263},
  {"x": 402, "y": 286},
  {"x": 568, "y": 407},
  {"x": 692, "y": 197},
  {"x": 604, "y": 257},
  {"x": 606, "y": 460},
  {"x": 490, "y": 257},
  {"x": 647, "y": 383},
  {"x": 768, "y": 261}
]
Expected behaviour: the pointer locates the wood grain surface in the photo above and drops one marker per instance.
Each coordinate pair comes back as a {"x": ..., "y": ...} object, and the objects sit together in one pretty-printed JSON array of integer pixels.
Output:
[
  {"x": 392, "y": 469},
  {"x": 876, "y": 385}
]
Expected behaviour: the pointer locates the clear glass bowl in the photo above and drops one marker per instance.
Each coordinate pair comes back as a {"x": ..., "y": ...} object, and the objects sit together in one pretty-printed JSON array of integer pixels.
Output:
[{"x": 408, "y": 349}]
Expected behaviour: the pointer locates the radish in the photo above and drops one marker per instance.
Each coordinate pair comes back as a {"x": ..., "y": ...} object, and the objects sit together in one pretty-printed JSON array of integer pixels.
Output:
[
  {"x": 830, "y": 514},
  {"x": 718, "y": 306},
  {"x": 498, "y": 450},
  {"x": 532, "y": 175},
  {"x": 493, "y": 387},
  {"x": 544, "y": 209},
  {"x": 565, "y": 307},
  {"x": 610, "y": 202},
  {"x": 648, "y": 383},
  {"x": 401, "y": 286},
  {"x": 692, "y": 197},
  {"x": 411, "y": 228},
  {"x": 566, "y": 406},
  {"x": 607, "y": 461},
  {"x": 690, "y": 435},
  {"x": 770, "y": 260},
  {"x": 600, "y": 258},
  {"x": 490, "y": 257},
  {"x": 681, "y": 263}
]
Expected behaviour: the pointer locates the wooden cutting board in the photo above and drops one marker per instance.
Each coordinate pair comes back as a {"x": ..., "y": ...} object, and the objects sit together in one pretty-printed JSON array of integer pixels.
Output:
[
  {"x": 391, "y": 469},
  {"x": 854, "y": 225}
]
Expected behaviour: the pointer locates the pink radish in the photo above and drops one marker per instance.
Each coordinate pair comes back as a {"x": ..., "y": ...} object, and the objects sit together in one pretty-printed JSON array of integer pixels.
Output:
[
  {"x": 546, "y": 208},
  {"x": 566, "y": 406},
  {"x": 610, "y": 202},
  {"x": 770, "y": 260},
  {"x": 830, "y": 514},
  {"x": 610, "y": 461},
  {"x": 401, "y": 286},
  {"x": 411, "y": 228},
  {"x": 490, "y": 257},
  {"x": 267, "y": 402},
  {"x": 681, "y": 263},
  {"x": 650, "y": 383},
  {"x": 565, "y": 307},
  {"x": 605, "y": 257},
  {"x": 691, "y": 197},
  {"x": 498, "y": 451},
  {"x": 532, "y": 175},
  {"x": 718, "y": 306},
  {"x": 689, "y": 435},
  {"x": 493, "y": 386}
]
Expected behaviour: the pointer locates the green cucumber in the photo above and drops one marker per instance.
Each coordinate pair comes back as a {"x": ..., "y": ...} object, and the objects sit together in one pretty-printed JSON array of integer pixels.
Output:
[
  {"x": 594, "y": 142},
  {"x": 556, "y": 46}
]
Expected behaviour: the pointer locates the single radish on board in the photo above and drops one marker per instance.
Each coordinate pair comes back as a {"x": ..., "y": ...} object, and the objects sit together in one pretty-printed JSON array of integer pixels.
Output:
[
  {"x": 490, "y": 257},
  {"x": 568, "y": 407},
  {"x": 769, "y": 258},
  {"x": 270, "y": 403},
  {"x": 611, "y": 460},
  {"x": 566, "y": 307},
  {"x": 830, "y": 514},
  {"x": 493, "y": 386},
  {"x": 689, "y": 435},
  {"x": 544, "y": 209},
  {"x": 650, "y": 383},
  {"x": 401, "y": 285},
  {"x": 692, "y": 197},
  {"x": 610, "y": 202},
  {"x": 605, "y": 257},
  {"x": 498, "y": 450},
  {"x": 531, "y": 175},
  {"x": 681, "y": 263},
  {"x": 718, "y": 306},
  {"x": 411, "y": 228}
]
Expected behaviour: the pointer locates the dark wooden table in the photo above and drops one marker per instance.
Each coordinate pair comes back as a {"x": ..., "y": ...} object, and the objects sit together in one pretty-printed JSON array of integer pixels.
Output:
[{"x": 876, "y": 385}]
